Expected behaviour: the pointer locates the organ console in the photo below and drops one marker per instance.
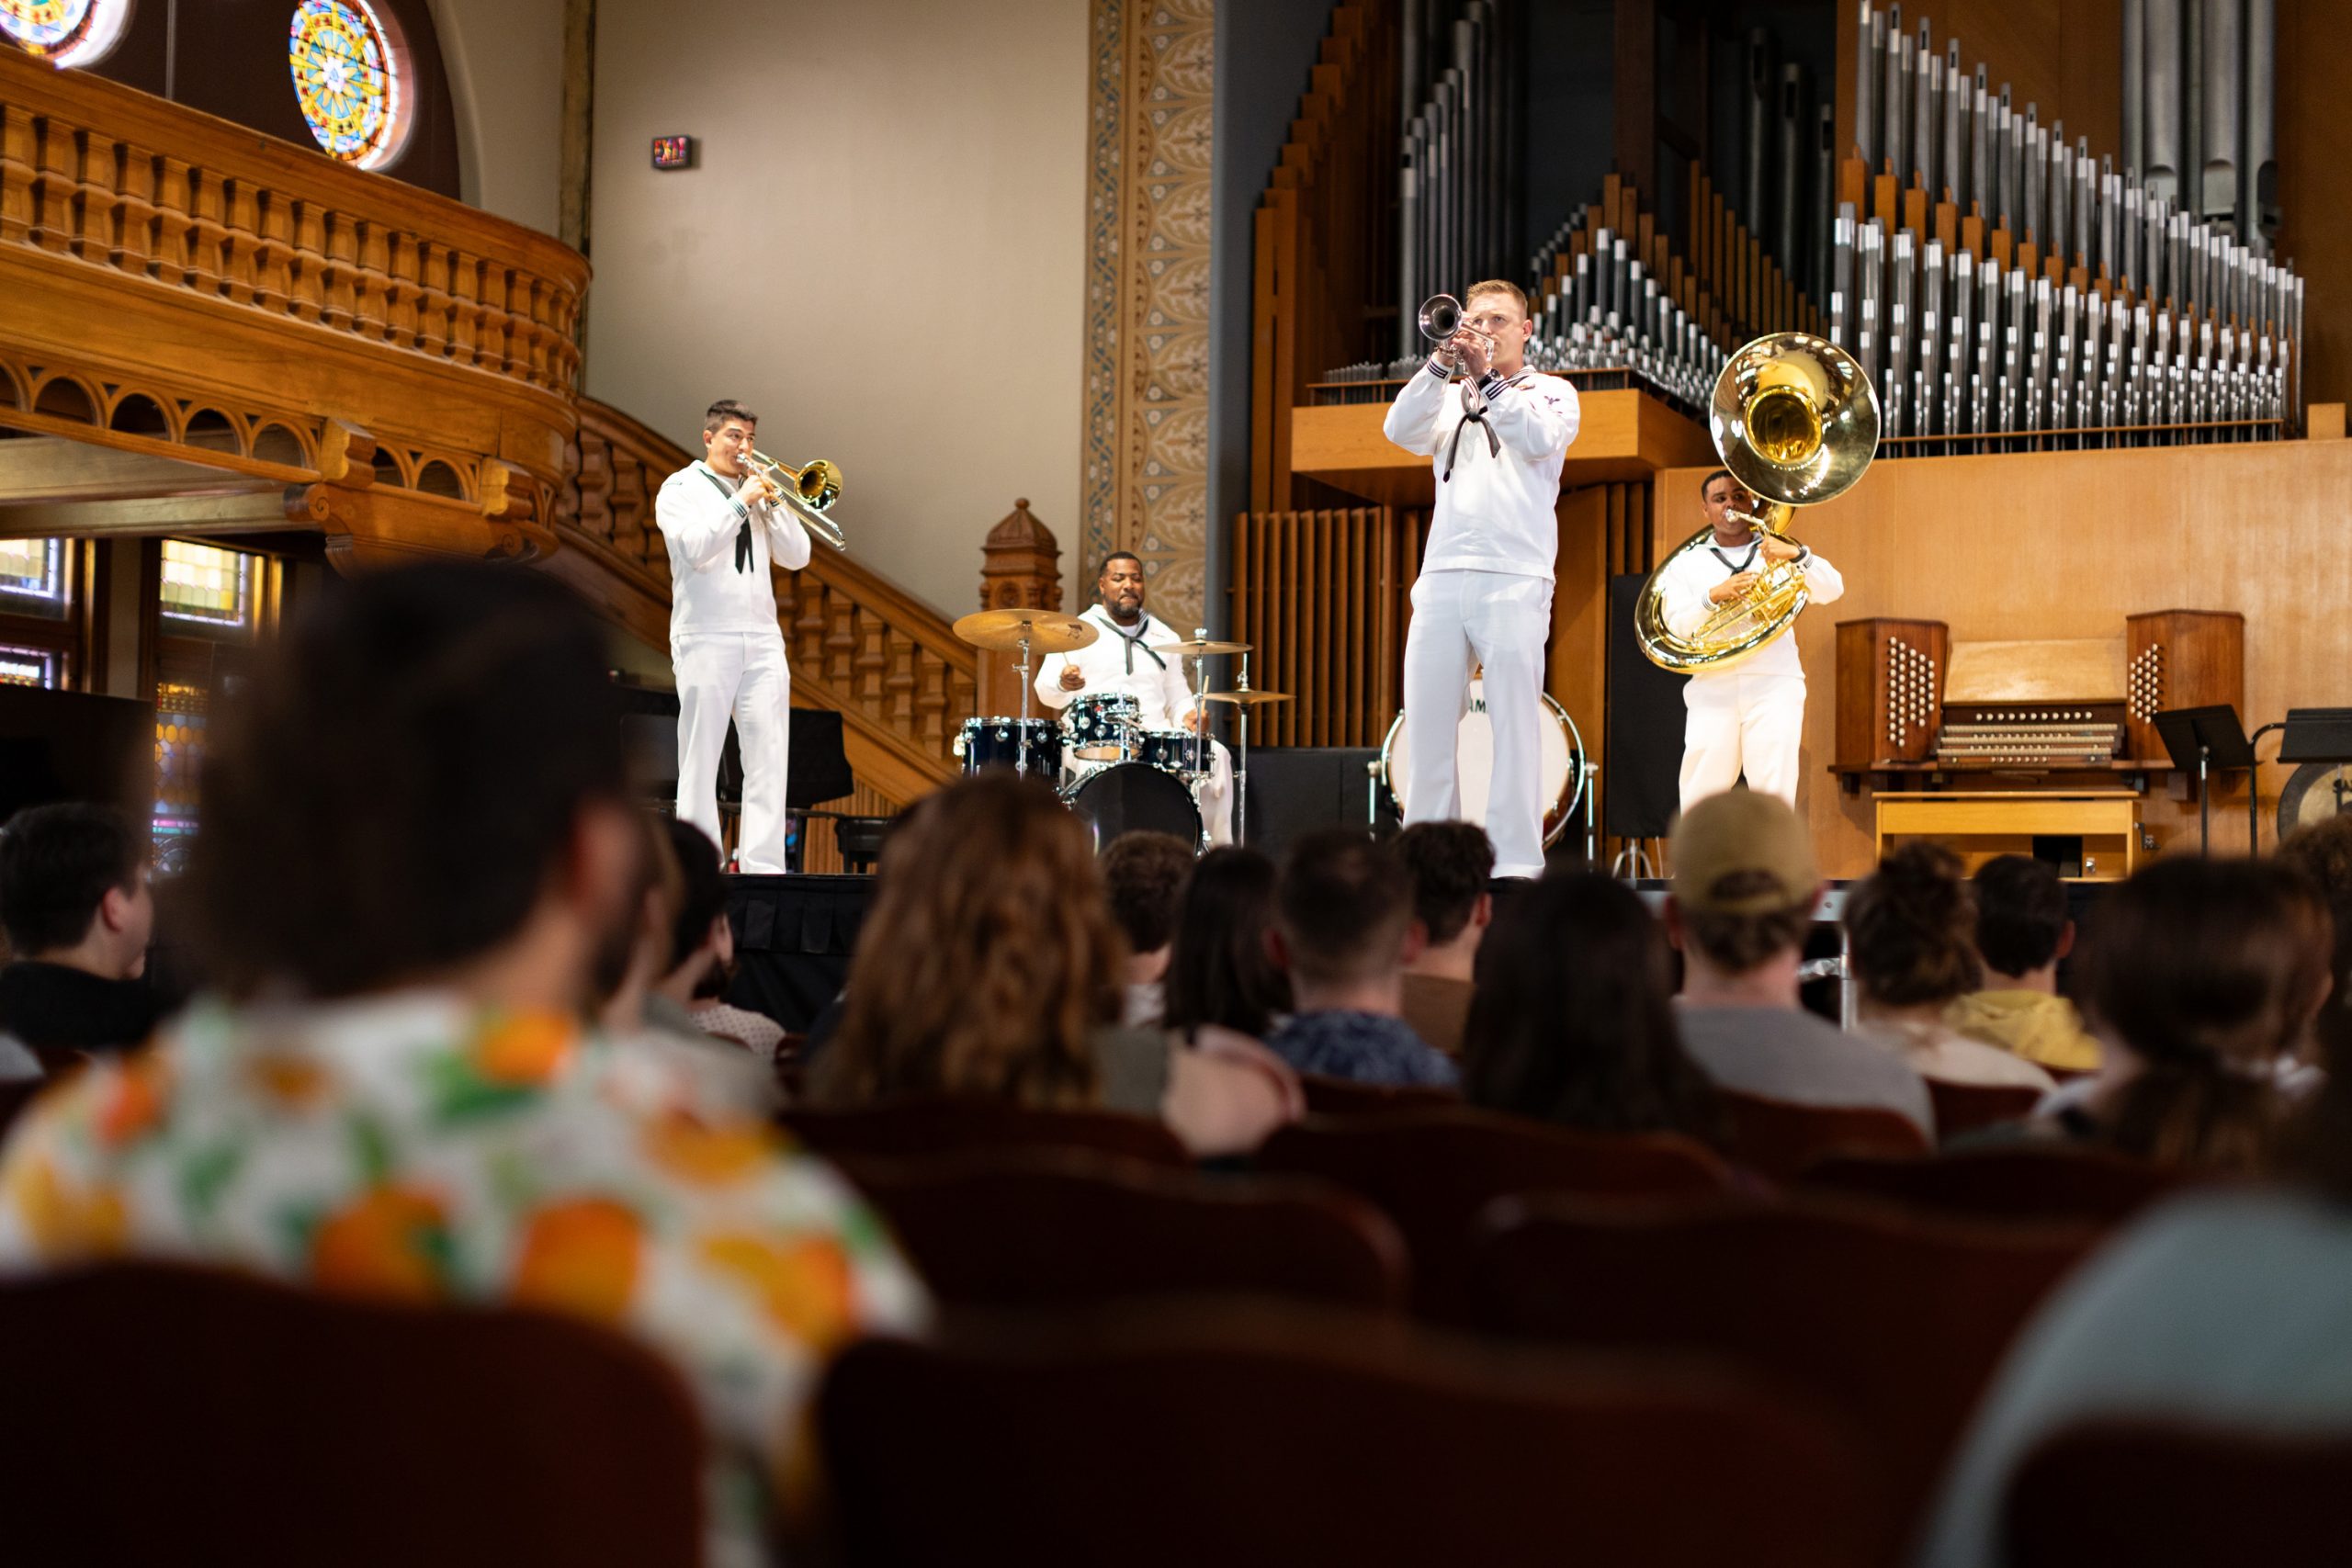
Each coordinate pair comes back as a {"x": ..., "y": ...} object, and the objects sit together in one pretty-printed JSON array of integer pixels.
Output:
[{"x": 1912, "y": 702}]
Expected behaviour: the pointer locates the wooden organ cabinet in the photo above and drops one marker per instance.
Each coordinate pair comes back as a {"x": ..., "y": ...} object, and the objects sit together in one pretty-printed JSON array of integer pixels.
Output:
[{"x": 2027, "y": 747}]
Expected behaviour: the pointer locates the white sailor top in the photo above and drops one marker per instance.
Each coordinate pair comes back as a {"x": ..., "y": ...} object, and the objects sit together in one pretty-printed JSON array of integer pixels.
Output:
[
  {"x": 721, "y": 550},
  {"x": 1497, "y": 449},
  {"x": 1124, "y": 659},
  {"x": 1687, "y": 581}
]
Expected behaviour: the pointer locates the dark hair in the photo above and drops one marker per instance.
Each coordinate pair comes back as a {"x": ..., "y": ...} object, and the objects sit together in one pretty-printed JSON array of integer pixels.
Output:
[
  {"x": 705, "y": 894},
  {"x": 1218, "y": 972},
  {"x": 1572, "y": 1021},
  {"x": 2322, "y": 852},
  {"x": 2207, "y": 972},
  {"x": 1449, "y": 863},
  {"x": 1143, "y": 874},
  {"x": 57, "y": 864},
  {"x": 1117, "y": 555},
  {"x": 2020, "y": 913},
  {"x": 1736, "y": 943},
  {"x": 725, "y": 408},
  {"x": 1343, "y": 905},
  {"x": 1911, "y": 929},
  {"x": 1713, "y": 477},
  {"x": 392, "y": 793}
]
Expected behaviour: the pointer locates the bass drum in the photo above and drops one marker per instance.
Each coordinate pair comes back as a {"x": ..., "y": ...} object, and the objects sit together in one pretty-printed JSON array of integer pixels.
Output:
[
  {"x": 1474, "y": 762},
  {"x": 1127, "y": 795}
]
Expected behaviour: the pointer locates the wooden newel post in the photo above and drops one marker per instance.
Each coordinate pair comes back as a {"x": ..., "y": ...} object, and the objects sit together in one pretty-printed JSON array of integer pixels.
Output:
[{"x": 1021, "y": 566}]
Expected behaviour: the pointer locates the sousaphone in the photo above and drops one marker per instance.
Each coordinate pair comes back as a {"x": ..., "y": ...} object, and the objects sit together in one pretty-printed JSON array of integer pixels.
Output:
[{"x": 1795, "y": 421}]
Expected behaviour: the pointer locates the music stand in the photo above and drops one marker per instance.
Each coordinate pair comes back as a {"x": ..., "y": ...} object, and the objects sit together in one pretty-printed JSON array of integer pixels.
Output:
[
  {"x": 2313, "y": 735},
  {"x": 2204, "y": 738}
]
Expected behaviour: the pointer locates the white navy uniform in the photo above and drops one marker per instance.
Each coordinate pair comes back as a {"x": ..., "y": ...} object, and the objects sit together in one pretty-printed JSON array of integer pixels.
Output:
[
  {"x": 1749, "y": 719},
  {"x": 1134, "y": 660},
  {"x": 1485, "y": 591},
  {"x": 729, "y": 651}
]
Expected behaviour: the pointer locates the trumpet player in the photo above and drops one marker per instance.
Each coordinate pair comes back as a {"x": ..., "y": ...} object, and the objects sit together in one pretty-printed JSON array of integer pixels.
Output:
[
  {"x": 1497, "y": 443},
  {"x": 1750, "y": 718},
  {"x": 725, "y": 523}
]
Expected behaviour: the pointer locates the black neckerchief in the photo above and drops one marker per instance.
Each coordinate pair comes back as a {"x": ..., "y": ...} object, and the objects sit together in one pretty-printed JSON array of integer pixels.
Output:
[
  {"x": 1143, "y": 625},
  {"x": 1474, "y": 411},
  {"x": 743, "y": 534},
  {"x": 1755, "y": 542}
]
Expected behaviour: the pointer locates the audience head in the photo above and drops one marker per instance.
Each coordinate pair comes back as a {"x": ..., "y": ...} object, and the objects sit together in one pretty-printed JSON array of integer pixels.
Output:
[
  {"x": 428, "y": 774},
  {"x": 990, "y": 958},
  {"x": 1144, "y": 875},
  {"x": 2322, "y": 852},
  {"x": 73, "y": 888},
  {"x": 1218, "y": 970},
  {"x": 1450, "y": 865},
  {"x": 2203, "y": 973},
  {"x": 1744, "y": 883},
  {"x": 1911, "y": 930},
  {"x": 1343, "y": 913},
  {"x": 702, "y": 945},
  {"x": 2022, "y": 926},
  {"x": 635, "y": 952},
  {"x": 1573, "y": 1020}
]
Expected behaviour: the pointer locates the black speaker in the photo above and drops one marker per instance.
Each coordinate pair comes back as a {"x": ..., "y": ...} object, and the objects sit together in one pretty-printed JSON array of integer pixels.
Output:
[
  {"x": 1296, "y": 789},
  {"x": 1641, "y": 757}
]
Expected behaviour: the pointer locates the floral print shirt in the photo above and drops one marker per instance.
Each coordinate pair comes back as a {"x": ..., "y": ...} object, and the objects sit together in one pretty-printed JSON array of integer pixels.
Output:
[{"x": 413, "y": 1148}]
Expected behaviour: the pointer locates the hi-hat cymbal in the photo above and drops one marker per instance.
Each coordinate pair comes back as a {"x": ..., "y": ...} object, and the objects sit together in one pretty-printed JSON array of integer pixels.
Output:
[
  {"x": 1046, "y": 631},
  {"x": 1246, "y": 699},
  {"x": 1200, "y": 647}
]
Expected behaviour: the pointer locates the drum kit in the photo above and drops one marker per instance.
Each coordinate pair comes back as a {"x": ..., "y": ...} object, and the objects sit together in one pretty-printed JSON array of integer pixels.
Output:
[{"x": 1120, "y": 775}]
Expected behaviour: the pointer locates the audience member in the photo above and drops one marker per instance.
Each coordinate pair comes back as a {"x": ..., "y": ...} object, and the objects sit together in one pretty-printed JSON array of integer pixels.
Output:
[
  {"x": 702, "y": 954},
  {"x": 2202, "y": 979},
  {"x": 2321, "y": 851},
  {"x": 2230, "y": 1307},
  {"x": 1910, "y": 933},
  {"x": 1450, "y": 865},
  {"x": 1220, "y": 972},
  {"x": 1574, "y": 1017},
  {"x": 1744, "y": 894},
  {"x": 1144, "y": 875},
  {"x": 2022, "y": 933},
  {"x": 415, "y": 839},
  {"x": 990, "y": 966},
  {"x": 1344, "y": 931},
  {"x": 635, "y": 951},
  {"x": 75, "y": 904}
]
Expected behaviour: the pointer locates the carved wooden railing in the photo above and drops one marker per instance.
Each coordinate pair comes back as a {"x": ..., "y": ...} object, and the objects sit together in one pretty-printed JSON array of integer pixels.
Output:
[
  {"x": 177, "y": 286},
  {"x": 858, "y": 642}
]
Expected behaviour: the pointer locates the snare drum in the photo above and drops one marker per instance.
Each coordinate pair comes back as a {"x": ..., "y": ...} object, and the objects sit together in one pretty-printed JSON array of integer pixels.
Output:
[
  {"x": 1474, "y": 762},
  {"x": 1178, "y": 751},
  {"x": 997, "y": 743},
  {"x": 1128, "y": 796},
  {"x": 1103, "y": 726}
]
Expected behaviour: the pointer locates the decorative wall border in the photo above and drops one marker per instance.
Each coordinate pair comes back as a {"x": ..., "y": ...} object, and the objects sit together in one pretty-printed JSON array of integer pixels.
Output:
[{"x": 1146, "y": 401}]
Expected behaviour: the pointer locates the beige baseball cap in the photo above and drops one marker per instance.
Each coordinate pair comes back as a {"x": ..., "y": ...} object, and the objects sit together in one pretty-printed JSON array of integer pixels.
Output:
[{"x": 1742, "y": 829}]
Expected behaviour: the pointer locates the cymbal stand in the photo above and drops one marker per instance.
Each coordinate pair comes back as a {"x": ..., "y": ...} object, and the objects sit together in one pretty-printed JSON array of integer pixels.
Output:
[
  {"x": 1028, "y": 695},
  {"x": 1241, "y": 765}
]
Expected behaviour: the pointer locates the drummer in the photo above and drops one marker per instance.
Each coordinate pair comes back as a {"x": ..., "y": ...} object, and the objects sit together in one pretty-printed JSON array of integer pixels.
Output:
[{"x": 1132, "y": 657}]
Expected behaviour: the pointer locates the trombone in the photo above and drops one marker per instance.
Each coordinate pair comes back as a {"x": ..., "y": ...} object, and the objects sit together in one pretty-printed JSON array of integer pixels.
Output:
[{"x": 809, "y": 492}]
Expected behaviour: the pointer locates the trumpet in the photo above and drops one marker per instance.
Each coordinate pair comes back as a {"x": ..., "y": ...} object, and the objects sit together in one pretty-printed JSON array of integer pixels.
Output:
[
  {"x": 809, "y": 492},
  {"x": 1442, "y": 316}
]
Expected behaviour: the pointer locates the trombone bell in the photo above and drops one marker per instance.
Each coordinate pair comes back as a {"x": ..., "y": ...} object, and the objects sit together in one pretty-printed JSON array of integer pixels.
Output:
[{"x": 809, "y": 492}]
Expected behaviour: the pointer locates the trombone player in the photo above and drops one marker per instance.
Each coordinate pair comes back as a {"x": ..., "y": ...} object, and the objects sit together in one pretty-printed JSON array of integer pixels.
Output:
[
  {"x": 725, "y": 522},
  {"x": 1749, "y": 719}
]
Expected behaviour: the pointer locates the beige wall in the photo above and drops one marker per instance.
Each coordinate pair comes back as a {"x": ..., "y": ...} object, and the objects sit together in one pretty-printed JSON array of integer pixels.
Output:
[
  {"x": 881, "y": 251},
  {"x": 506, "y": 64}
]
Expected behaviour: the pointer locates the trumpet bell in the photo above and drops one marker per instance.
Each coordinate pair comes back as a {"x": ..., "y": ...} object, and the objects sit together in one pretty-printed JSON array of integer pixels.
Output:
[
  {"x": 1794, "y": 419},
  {"x": 1440, "y": 317}
]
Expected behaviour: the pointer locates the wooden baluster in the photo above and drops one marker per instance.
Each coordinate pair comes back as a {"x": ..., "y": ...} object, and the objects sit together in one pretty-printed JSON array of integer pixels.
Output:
[
  {"x": 173, "y": 247},
  {"x": 206, "y": 235},
  {"x": 99, "y": 184},
  {"x": 370, "y": 294},
  {"x": 54, "y": 186},
  {"x": 133, "y": 250},
  {"x": 276, "y": 267},
  {"x": 240, "y": 241},
  {"x": 17, "y": 141}
]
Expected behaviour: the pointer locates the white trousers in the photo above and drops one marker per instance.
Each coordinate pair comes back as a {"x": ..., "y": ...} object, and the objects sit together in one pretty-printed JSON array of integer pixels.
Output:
[
  {"x": 1500, "y": 620},
  {"x": 741, "y": 674},
  {"x": 1739, "y": 724}
]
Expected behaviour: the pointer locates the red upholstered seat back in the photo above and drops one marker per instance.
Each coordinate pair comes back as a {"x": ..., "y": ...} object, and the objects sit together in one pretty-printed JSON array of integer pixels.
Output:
[{"x": 937, "y": 1124}]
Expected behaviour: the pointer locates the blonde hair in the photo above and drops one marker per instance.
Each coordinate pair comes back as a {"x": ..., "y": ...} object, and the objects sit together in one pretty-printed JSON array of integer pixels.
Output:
[{"x": 1499, "y": 286}]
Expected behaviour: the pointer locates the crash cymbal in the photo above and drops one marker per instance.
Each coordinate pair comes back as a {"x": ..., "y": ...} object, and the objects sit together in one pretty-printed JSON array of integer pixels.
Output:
[
  {"x": 1046, "y": 631},
  {"x": 1200, "y": 647},
  {"x": 1245, "y": 698}
]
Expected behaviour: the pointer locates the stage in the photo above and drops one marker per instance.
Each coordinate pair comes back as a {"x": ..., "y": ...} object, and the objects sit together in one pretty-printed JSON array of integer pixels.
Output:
[{"x": 793, "y": 936}]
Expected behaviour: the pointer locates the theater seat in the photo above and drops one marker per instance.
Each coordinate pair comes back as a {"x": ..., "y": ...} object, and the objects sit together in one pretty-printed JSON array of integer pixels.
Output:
[
  {"x": 1433, "y": 1169},
  {"x": 1281, "y": 1437},
  {"x": 162, "y": 1414},
  {"x": 1344, "y": 1097},
  {"x": 1900, "y": 1319},
  {"x": 2171, "y": 1494},
  {"x": 2024, "y": 1182},
  {"x": 1777, "y": 1139},
  {"x": 1971, "y": 1107},
  {"x": 1016, "y": 1227},
  {"x": 910, "y": 1128}
]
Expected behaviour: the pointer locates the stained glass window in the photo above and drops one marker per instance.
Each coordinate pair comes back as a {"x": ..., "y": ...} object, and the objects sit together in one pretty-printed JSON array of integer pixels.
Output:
[
  {"x": 32, "y": 577},
  {"x": 347, "y": 66},
  {"x": 63, "y": 33},
  {"x": 206, "y": 591},
  {"x": 179, "y": 748},
  {"x": 31, "y": 667}
]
